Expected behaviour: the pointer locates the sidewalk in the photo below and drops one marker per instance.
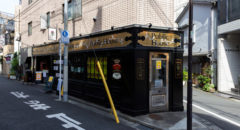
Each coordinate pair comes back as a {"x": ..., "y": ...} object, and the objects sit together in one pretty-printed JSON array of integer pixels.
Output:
[{"x": 161, "y": 120}]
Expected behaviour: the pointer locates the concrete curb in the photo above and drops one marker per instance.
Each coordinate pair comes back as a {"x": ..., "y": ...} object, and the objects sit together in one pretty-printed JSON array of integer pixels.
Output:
[{"x": 108, "y": 110}]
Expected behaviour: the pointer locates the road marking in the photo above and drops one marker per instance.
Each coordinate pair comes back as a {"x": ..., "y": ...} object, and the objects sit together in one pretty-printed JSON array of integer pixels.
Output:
[
  {"x": 214, "y": 114},
  {"x": 19, "y": 94},
  {"x": 35, "y": 104},
  {"x": 70, "y": 123}
]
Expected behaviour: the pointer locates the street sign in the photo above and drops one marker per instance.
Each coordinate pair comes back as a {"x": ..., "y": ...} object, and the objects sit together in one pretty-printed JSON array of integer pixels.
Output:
[{"x": 65, "y": 37}]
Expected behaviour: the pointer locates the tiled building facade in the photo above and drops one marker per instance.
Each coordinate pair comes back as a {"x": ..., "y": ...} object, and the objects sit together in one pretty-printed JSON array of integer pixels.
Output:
[{"x": 106, "y": 12}]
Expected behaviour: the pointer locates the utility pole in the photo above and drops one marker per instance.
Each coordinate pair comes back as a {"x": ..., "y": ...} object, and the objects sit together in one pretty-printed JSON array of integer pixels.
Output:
[
  {"x": 65, "y": 78},
  {"x": 19, "y": 60},
  {"x": 189, "y": 86}
]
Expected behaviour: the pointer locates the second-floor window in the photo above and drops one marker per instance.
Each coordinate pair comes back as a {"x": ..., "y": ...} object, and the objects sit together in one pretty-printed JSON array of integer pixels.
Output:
[
  {"x": 48, "y": 19},
  {"x": 29, "y": 28},
  {"x": 74, "y": 9},
  {"x": 30, "y": 1}
]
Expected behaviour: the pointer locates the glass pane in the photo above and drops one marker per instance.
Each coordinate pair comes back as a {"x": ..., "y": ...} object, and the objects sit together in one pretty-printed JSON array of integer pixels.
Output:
[
  {"x": 88, "y": 68},
  {"x": 77, "y": 8},
  {"x": 222, "y": 11},
  {"x": 233, "y": 10},
  {"x": 70, "y": 10},
  {"x": 48, "y": 19},
  {"x": 105, "y": 67},
  {"x": 30, "y": 28},
  {"x": 159, "y": 73}
]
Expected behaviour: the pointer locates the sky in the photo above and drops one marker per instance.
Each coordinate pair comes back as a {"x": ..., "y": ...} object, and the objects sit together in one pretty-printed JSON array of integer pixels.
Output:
[{"x": 8, "y": 5}]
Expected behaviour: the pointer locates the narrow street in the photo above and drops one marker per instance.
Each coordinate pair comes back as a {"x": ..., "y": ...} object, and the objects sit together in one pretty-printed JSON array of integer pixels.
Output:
[
  {"x": 221, "y": 111},
  {"x": 27, "y": 107}
]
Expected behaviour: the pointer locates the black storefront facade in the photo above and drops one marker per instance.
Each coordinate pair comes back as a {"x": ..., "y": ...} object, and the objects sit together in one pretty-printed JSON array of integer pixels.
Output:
[{"x": 143, "y": 68}]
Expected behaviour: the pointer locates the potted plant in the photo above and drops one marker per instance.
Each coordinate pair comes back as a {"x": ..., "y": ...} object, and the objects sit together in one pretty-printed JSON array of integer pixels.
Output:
[
  {"x": 204, "y": 80},
  {"x": 14, "y": 66}
]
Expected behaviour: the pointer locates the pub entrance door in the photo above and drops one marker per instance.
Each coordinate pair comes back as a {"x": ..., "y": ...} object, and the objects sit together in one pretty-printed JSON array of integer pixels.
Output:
[{"x": 158, "y": 82}]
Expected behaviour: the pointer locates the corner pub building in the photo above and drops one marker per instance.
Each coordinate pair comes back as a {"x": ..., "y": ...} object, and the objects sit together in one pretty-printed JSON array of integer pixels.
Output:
[{"x": 142, "y": 66}]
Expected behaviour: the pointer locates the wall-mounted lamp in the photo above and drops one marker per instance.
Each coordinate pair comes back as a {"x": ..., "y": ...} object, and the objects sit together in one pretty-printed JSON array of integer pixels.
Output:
[
  {"x": 94, "y": 19},
  {"x": 149, "y": 25},
  {"x": 112, "y": 27}
]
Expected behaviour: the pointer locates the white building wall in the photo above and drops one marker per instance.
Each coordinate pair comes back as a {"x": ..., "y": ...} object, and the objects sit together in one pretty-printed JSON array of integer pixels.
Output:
[
  {"x": 228, "y": 62},
  {"x": 179, "y": 5},
  {"x": 202, "y": 23}
]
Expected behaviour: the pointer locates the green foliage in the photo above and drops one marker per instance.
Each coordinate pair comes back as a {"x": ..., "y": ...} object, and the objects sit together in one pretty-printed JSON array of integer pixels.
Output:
[
  {"x": 207, "y": 87},
  {"x": 208, "y": 71},
  {"x": 185, "y": 75},
  {"x": 202, "y": 80},
  {"x": 14, "y": 64}
]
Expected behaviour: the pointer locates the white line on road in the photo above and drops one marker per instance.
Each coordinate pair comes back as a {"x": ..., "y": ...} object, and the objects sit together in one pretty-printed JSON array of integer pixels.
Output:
[{"x": 214, "y": 114}]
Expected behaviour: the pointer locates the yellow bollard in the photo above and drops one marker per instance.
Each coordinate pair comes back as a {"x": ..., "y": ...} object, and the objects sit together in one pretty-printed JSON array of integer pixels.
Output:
[
  {"x": 108, "y": 93},
  {"x": 62, "y": 91}
]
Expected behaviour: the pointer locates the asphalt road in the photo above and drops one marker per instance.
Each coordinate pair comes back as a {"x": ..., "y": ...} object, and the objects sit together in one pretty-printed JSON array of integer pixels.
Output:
[
  {"x": 220, "y": 111},
  {"x": 27, "y": 107}
]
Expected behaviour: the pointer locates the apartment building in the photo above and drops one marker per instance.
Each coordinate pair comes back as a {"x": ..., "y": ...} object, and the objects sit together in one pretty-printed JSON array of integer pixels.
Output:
[
  {"x": 228, "y": 46},
  {"x": 6, "y": 41},
  {"x": 88, "y": 16}
]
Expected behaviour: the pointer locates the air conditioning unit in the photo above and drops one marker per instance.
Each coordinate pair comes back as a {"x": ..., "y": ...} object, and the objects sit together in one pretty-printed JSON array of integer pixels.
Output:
[{"x": 43, "y": 22}]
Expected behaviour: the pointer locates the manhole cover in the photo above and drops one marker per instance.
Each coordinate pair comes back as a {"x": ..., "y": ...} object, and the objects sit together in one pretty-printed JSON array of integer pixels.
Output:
[{"x": 155, "y": 117}]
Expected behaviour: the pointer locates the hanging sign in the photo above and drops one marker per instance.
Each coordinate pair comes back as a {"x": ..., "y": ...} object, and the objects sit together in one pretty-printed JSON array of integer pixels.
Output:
[{"x": 52, "y": 34}]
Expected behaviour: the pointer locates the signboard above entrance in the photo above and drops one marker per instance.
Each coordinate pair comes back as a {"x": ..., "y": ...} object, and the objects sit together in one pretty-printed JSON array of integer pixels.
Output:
[
  {"x": 105, "y": 41},
  {"x": 97, "y": 42},
  {"x": 159, "y": 39}
]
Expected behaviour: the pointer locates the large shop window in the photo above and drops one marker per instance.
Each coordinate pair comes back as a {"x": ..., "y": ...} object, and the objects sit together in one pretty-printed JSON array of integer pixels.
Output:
[
  {"x": 76, "y": 66},
  {"x": 92, "y": 69}
]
